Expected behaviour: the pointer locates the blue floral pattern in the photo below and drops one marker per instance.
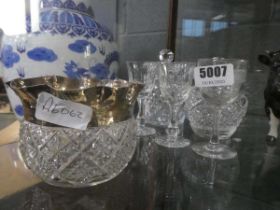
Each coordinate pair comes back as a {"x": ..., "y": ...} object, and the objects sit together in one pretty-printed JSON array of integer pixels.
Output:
[
  {"x": 102, "y": 50},
  {"x": 100, "y": 71},
  {"x": 21, "y": 48},
  {"x": 20, "y": 44},
  {"x": 73, "y": 24},
  {"x": 69, "y": 4},
  {"x": 42, "y": 54},
  {"x": 19, "y": 110},
  {"x": 56, "y": 3},
  {"x": 105, "y": 33},
  {"x": 28, "y": 23},
  {"x": 71, "y": 19},
  {"x": 73, "y": 71},
  {"x": 111, "y": 57},
  {"x": 81, "y": 46},
  {"x": 21, "y": 72},
  {"x": 8, "y": 57}
]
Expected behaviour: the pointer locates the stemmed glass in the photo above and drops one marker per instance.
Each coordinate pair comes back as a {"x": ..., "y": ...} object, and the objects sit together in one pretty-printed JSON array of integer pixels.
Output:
[
  {"x": 200, "y": 115},
  {"x": 216, "y": 98},
  {"x": 175, "y": 86},
  {"x": 143, "y": 72}
]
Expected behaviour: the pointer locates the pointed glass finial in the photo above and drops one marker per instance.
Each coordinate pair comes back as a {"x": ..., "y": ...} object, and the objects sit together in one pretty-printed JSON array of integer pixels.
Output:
[{"x": 166, "y": 56}]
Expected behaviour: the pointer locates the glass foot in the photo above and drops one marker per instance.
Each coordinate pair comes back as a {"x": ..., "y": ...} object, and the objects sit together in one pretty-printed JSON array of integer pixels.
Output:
[
  {"x": 221, "y": 152},
  {"x": 145, "y": 131},
  {"x": 180, "y": 142}
]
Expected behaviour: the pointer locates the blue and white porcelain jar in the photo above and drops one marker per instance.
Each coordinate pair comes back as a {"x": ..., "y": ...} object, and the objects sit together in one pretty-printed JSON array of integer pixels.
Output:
[{"x": 67, "y": 42}]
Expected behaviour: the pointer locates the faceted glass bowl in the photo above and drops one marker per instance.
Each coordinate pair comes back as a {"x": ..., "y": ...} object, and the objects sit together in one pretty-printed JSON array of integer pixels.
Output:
[
  {"x": 201, "y": 115},
  {"x": 73, "y": 158}
]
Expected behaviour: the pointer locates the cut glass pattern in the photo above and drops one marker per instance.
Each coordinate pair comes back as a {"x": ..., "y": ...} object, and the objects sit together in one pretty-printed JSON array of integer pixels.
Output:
[{"x": 70, "y": 157}]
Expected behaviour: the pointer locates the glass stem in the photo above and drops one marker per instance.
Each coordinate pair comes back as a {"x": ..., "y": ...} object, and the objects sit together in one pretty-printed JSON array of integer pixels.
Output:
[
  {"x": 214, "y": 140},
  {"x": 141, "y": 112},
  {"x": 173, "y": 128},
  {"x": 212, "y": 172}
]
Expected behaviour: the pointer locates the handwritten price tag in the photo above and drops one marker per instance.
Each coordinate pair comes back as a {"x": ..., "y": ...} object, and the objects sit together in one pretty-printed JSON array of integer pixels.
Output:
[
  {"x": 61, "y": 112},
  {"x": 213, "y": 76}
]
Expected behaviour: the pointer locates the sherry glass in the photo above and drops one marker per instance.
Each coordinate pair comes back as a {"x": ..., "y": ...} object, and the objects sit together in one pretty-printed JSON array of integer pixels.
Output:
[
  {"x": 175, "y": 86},
  {"x": 201, "y": 117},
  {"x": 217, "y": 97},
  {"x": 143, "y": 72}
]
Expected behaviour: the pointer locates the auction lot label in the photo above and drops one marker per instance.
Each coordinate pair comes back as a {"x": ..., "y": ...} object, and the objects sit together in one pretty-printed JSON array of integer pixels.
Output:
[
  {"x": 62, "y": 112},
  {"x": 214, "y": 75}
]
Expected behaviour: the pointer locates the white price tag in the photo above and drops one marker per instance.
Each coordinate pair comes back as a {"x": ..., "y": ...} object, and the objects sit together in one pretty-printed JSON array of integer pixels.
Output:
[
  {"x": 214, "y": 75},
  {"x": 61, "y": 112}
]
